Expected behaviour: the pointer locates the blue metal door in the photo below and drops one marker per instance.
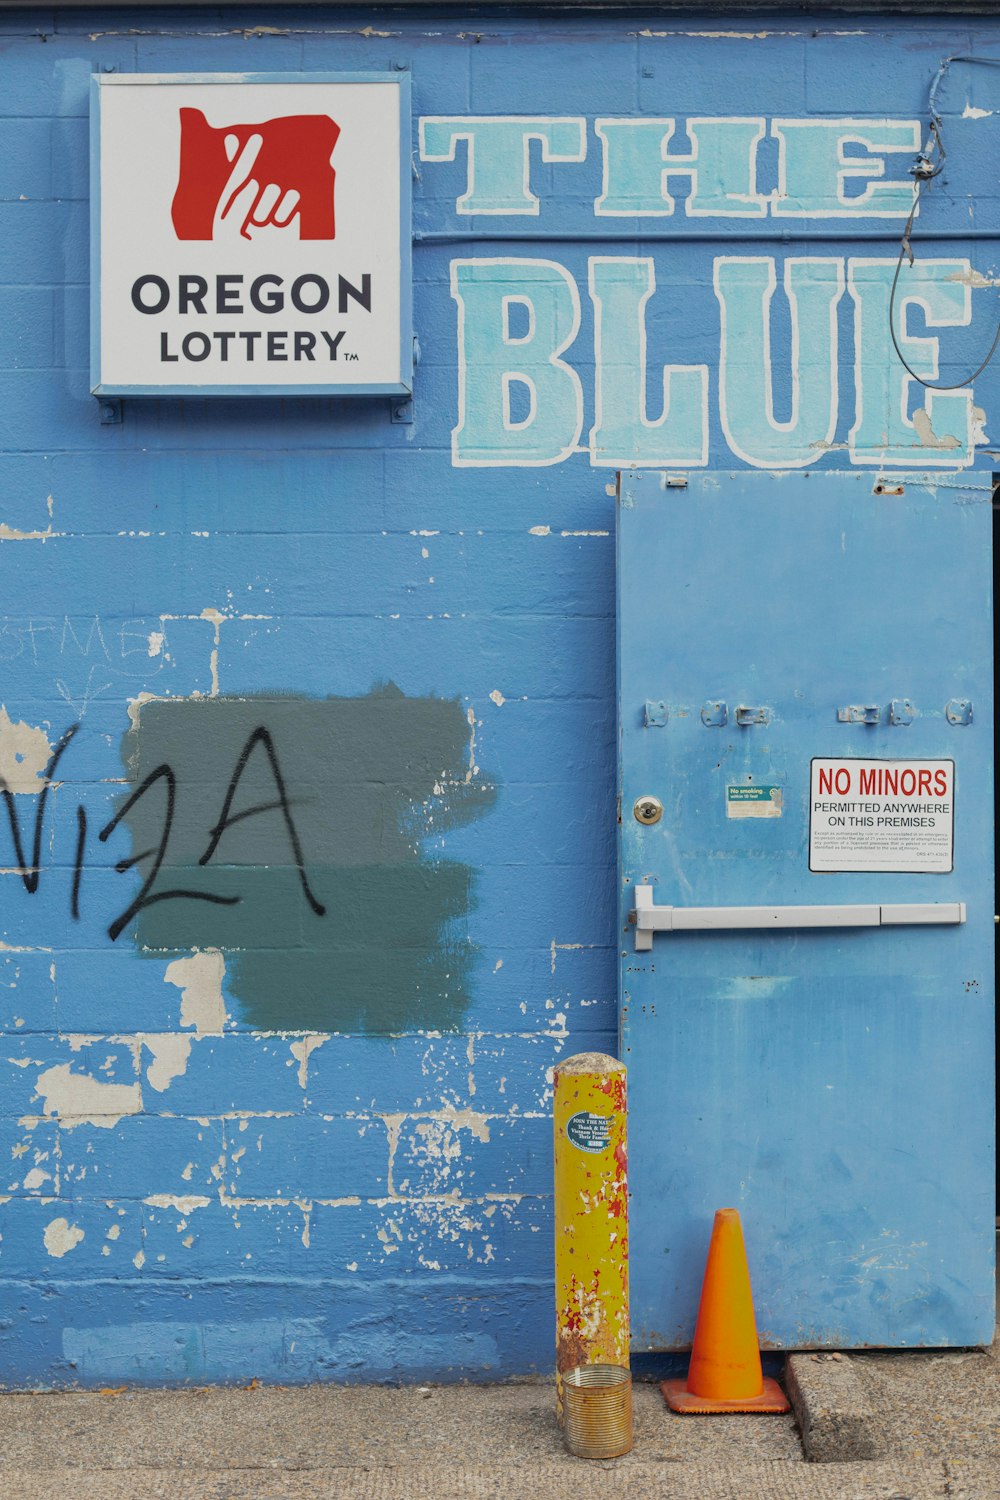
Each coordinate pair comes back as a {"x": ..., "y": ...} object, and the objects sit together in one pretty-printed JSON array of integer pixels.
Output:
[{"x": 805, "y": 687}]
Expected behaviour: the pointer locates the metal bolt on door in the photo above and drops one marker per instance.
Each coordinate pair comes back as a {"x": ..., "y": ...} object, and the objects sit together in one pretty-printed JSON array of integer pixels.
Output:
[{"x": 807, "y": 928}]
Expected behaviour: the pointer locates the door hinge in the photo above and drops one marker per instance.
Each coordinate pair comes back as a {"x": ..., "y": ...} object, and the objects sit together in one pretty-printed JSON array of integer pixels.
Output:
[{"x": 745, "y": 716}]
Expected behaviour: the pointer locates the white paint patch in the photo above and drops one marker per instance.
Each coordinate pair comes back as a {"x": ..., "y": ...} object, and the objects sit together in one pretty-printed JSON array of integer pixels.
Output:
[
  {"x": 473, "y": 770},
  {"x": 185, "y": 1205},
  {"x": 199, "y": 979},
  {"x": 61, "y": 1237},
  {"x": 301, "y": 1050},
  {"x": 498, "y": 698},
  {"x": 539, "y": 530},
  {"x": 972, "y": 278},
  {"x": 973, "y": 112},
  {"x": 216, "y": 619},
  {"x": 135, "y": 706},
  {"x": 440, "y": 1135},
  {"x": 389, "y": 1247},
  {"x": 77, "y": 1099},
  {"x": 156, "y": 639},
  {"x": 35, "y": 1178},
  {"x": 392, "y": 1128},
  {"x": 555, "y": 948},
  {"x": 13, "y": 534},
  {"x": 979, "y": 433},
  {"x": 24, "y": 753},
  {"x": 743, "y": 36},
  {"x": 928, "y": 437},
  {"x": 171, "y": 1051}
]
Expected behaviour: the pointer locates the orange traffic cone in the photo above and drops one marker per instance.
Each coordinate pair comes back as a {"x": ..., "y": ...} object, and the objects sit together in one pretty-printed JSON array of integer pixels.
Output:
[{"x": 725, "y": 1372}]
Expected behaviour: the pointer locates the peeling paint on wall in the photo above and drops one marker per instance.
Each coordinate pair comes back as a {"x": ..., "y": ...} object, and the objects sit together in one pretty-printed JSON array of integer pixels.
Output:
[
  {"x": 24, "y": 753},
  {"x": 61, "y": 1237},
  {"x": 170, "y": 1059},
  {"x": 199, "y": 978},
  {"x": 301, "y": 1051},
  {"x": 79, "y": 1099}
]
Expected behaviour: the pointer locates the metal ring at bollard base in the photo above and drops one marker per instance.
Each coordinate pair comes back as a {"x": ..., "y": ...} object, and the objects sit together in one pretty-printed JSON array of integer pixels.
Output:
[{"x": 597, "y": 1411}]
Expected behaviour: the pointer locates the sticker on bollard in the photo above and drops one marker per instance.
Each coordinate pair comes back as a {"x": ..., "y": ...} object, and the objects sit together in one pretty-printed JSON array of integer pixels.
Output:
[{"x": 589, "y": 1132}]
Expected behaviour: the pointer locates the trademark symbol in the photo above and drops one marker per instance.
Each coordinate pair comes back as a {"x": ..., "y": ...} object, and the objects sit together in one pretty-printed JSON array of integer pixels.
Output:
[{"x": 350, "y": 356}]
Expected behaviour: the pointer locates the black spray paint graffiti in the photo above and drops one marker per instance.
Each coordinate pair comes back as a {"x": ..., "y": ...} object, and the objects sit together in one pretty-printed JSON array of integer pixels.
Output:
[
  {"x": 31, "y": 872},
  {"x": 304, "y": 838}
]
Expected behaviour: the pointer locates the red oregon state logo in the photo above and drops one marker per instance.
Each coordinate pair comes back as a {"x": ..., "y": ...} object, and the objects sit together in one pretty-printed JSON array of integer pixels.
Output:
[{"x": 237, "y": 176}]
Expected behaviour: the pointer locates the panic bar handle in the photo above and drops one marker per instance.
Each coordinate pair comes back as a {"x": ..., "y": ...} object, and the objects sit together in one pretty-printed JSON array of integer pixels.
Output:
[{"x": 650, "y": 918}]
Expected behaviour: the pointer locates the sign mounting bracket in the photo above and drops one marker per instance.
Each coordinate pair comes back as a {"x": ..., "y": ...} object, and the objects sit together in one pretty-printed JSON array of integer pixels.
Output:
[{"x": 110, "y": 409}]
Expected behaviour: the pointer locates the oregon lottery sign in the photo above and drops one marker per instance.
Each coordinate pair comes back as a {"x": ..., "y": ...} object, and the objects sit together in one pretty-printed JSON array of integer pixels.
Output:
[{"x": 250, "y": 234}]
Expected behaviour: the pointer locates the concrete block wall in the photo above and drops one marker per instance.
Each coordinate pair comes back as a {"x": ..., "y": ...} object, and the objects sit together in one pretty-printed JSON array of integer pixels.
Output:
[{"x": 306, "y": 1135}]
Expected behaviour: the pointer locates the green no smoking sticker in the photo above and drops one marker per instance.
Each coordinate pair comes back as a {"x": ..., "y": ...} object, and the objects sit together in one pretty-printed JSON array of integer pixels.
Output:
[
  {"x": 589, "y": 1132},
  {"x": 753, "y": 801}
]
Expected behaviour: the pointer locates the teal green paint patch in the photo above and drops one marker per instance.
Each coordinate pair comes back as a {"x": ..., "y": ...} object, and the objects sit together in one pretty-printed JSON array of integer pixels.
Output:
[{"x": 290, "y": 831}]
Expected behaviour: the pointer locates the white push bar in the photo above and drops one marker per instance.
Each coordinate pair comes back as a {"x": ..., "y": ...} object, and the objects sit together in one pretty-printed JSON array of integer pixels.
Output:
[{"x": 650, "y": 918}]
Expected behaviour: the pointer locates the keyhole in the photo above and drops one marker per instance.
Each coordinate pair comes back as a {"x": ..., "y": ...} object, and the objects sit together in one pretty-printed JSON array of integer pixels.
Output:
[{"x": 648, "y": 810}]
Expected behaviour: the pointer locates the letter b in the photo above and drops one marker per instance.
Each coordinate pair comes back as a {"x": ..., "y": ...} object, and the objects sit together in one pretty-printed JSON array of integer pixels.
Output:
[{"x": 493, "y": 360}]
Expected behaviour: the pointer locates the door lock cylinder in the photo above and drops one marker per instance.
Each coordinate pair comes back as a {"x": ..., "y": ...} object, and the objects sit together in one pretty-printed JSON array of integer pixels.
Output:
[{"x": 648, "y": 810}]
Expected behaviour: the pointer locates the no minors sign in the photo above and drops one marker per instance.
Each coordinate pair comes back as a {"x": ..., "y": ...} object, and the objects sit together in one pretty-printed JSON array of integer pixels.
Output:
[{"x": 882, "y": 815}]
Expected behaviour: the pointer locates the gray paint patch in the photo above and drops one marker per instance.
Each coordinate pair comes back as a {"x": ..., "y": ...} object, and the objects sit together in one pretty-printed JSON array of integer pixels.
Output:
[{"x": 334, "y": 920}]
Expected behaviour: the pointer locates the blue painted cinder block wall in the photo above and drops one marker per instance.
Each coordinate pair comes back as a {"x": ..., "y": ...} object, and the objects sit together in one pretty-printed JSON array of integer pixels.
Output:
[{"x": 257, "y": 1140}]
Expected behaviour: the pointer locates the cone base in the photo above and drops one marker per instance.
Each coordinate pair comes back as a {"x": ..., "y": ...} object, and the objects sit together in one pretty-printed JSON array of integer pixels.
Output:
[{"x": 680, "y": 1399}]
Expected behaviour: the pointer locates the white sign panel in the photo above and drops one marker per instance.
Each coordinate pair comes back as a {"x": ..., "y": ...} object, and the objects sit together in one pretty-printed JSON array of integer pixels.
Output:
[
  {"x": 882, "y": 815},
  {"x": 251, "y": 234}
]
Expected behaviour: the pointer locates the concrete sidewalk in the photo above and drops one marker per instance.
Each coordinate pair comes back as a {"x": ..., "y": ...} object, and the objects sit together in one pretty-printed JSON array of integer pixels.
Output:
[
  {"x": 933, "y": 1419},
  {"x": 937, "y": 1418}
]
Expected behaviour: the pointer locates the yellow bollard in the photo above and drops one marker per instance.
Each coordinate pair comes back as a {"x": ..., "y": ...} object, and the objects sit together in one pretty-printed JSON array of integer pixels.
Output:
[{"x": 591, "y": 1215}]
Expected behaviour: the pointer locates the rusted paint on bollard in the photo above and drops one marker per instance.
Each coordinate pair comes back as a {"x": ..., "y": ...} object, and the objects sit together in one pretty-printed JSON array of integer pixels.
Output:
[{"x": 591, "y": 1214}]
